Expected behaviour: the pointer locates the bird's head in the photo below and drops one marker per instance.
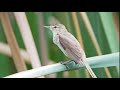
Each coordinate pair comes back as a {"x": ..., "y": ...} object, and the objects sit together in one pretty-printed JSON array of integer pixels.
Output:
[{"x": 57, "y": 28}]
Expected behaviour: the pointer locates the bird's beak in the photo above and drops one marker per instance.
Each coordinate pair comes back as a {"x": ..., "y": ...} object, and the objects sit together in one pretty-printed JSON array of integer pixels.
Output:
[{"x": 47, "y": 27}]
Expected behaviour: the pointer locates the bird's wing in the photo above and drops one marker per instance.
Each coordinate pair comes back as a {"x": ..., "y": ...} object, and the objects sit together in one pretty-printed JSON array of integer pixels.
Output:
[
  {"x": 56, "y": 41},
  {"x": 75, "y": 52},
  {"x": 71, "y": 48}
]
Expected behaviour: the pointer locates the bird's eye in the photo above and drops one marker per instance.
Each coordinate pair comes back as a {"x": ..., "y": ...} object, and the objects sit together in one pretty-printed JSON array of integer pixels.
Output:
[{"x": 55, "y": 27}]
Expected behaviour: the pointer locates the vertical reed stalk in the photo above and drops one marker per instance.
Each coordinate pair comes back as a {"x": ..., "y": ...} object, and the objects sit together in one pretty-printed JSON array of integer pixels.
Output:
[
  {"x": 93, "y": 37},
  {"x": 18, "y": 60},
  {"x": 78, "y": 33},
  {"x": 27, "y": 38},
  {"x": 116, "y": 22},
  {"x": 43, "y": 50},
  {"x": 44, "y": 53}
]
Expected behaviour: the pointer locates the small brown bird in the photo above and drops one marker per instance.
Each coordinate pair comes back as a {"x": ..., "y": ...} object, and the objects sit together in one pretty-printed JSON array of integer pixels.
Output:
[{"x": 69, "y": 45}]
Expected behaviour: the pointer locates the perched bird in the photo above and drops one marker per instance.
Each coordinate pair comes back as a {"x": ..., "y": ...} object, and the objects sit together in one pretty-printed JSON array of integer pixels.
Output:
[{"x": 69, "y": 45}]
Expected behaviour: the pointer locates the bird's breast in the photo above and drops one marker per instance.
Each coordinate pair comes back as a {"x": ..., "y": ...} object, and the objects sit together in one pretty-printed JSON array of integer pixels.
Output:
[{"x": 55, "y": 38}]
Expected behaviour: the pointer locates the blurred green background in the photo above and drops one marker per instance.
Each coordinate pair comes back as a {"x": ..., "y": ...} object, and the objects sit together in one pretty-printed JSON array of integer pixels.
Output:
[{"x": 104, "y": 28}]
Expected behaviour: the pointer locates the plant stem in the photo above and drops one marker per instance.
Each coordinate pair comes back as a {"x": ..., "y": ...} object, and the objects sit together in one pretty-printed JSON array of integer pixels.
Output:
[
  {"x": 27, "y": 38},
  {"x": 18, "y": 60},
  {"x": 95, "y": 62},
  {"x": 5, "y": 49},
  {"x": 93, "y": 37}
]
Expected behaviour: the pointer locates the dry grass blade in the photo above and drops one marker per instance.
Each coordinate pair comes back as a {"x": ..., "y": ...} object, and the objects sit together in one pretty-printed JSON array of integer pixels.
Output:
[
  {"x": 18, "y": 60},
  {"x": 116, "y": 22},
  {"x": 78, "y": 33},
  {"x": 44, "y": 50},
  {"x": 27, "y": 38},
  {"x": 93, "y": 38},
  {"x": 5, "y": 49},
  {"x": 44, "y": 53},
  {"x": 77, "y": 28}
]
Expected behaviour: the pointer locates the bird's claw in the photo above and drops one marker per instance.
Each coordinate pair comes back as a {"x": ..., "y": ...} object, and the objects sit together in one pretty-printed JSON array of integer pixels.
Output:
[{"x": 69, "y": 64}]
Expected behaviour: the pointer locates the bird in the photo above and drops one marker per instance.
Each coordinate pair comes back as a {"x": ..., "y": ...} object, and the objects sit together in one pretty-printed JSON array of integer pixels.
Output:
[{"x": 69, "y": 45}]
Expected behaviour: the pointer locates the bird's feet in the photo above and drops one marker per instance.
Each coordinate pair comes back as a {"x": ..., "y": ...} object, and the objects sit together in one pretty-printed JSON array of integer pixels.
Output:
[
  {"x": 66, "y": 62},
  {"x": 69, "y": 64}
]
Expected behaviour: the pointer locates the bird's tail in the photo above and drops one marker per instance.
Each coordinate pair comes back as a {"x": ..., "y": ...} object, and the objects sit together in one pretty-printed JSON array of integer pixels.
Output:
[{"x": 89, "y": 69}]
